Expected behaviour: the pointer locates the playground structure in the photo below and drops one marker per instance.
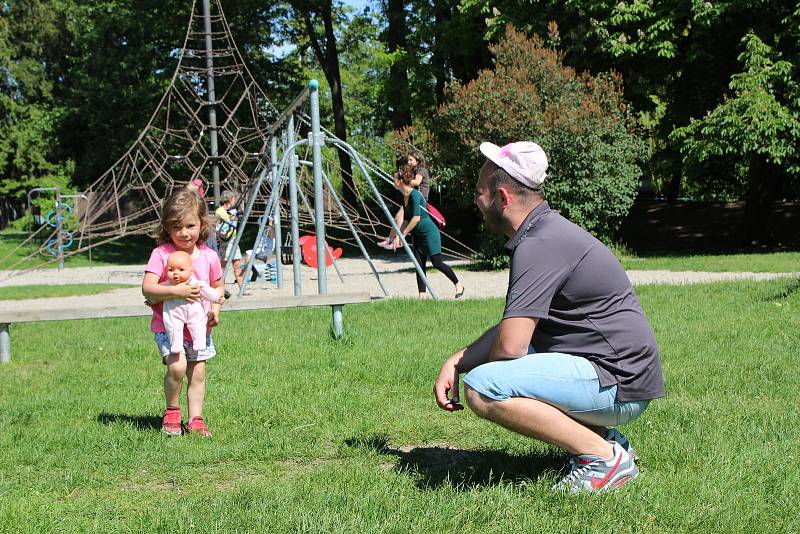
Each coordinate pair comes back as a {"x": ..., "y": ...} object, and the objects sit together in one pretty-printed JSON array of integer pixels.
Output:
[
  {"x": 241, "y": 140},
  {"x": 55, "y": 218}
]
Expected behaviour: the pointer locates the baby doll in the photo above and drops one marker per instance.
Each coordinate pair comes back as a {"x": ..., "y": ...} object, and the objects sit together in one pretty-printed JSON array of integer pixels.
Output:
[{"x": 180, "y": 312}]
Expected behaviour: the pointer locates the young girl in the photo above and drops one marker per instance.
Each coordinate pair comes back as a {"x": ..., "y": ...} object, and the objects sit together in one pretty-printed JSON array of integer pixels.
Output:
[{"x": 184, "y": 224}]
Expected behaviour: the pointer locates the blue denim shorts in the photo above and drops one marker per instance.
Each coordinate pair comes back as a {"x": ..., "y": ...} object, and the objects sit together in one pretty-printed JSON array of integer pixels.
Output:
[
  {"x": 162, "y": 341},
  {"x": 567, "y": 382}
]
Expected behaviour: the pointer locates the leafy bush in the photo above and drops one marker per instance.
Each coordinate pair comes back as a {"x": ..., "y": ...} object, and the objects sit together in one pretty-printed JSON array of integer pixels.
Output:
[{"x": 580, "y": 120}]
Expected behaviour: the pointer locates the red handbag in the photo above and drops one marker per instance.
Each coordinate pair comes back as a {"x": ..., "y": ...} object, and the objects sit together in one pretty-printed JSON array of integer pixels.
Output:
[{"x": 436, "y": 215}]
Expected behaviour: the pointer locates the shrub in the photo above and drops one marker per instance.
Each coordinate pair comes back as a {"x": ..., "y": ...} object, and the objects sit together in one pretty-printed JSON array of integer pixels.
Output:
[{"x": 580, "y": 120}]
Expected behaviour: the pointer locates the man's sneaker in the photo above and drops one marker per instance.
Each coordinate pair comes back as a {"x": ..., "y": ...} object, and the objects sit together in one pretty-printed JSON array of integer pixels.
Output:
[
  {"x": 171, "y": 423},
  {"x": 196, "y": 425},
  {"x": 613, "y": 435},
  {"x": 593, "y": 474}
]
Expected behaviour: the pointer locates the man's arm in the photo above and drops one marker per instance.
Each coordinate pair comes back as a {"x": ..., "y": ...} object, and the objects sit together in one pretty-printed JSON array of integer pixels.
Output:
[
  {"x": 509, "y": 339},
  {"x": 445, "y": 389},
  {"x": 513, "y": 338}
]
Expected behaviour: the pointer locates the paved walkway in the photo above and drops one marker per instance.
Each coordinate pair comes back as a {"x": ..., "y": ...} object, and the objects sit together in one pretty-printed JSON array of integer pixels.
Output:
[{"x": 397, "y": 277}]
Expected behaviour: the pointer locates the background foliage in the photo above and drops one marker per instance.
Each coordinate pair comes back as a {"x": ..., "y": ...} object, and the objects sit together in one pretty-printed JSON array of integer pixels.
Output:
[
  {"x": 580, "y": 120},
  {"x": 701, "y": 78}
]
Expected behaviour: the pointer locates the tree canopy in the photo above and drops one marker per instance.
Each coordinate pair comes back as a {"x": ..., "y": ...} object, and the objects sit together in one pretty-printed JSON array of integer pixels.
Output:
[{"x": 710, "y": 86}]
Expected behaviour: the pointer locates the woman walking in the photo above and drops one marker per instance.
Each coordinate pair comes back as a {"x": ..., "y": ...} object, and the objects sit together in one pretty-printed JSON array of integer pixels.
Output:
[{"x": 418, "y": 223}]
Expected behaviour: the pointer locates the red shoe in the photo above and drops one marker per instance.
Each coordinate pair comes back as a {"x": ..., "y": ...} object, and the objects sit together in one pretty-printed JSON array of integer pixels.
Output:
[
  {"x": 171, "y": 423},
  {"x": 196, "y": 425}
]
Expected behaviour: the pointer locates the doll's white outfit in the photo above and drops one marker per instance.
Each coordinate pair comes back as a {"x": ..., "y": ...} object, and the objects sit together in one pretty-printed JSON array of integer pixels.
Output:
[{"x": 180, "y": 312}]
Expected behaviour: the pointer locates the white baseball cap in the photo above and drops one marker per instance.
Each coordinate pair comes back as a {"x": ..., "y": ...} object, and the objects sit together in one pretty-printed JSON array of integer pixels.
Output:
[{"x": 525, "y": 161}]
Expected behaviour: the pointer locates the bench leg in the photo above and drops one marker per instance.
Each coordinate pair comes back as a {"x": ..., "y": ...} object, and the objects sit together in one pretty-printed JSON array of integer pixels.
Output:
[
  {"x": 5, "y": 344},
  {"x": 338, "y": 322}
]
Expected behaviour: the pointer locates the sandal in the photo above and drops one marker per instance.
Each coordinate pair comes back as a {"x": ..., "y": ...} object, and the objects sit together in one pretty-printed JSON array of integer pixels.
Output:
[{"x": 460, "y": 294}]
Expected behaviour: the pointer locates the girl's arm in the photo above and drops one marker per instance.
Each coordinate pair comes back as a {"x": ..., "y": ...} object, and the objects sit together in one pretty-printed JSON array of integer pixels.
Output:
[
  {"x": 213, "y": 313},
  {"x": 154, "y": 292},
  {"x": 416, "y": 181}
]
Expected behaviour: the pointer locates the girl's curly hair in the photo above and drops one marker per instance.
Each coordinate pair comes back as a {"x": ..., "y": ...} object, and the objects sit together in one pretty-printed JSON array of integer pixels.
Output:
[{"x": 175, "y": 208}]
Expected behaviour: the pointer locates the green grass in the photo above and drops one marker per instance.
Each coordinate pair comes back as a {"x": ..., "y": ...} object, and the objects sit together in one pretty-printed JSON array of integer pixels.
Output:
[
  {"x": 772, "y": 262},
  {"x": 314, "y": 435},
  {"x": 129, "y": 250},
  {"x": 68, "y": 290}
]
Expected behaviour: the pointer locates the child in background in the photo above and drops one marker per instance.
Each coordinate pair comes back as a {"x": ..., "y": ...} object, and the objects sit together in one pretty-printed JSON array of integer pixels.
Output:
[
  {"x": 178, "y": 313},
  {"x": 184, "y": 224},
  {"x": 228, "y": 218}
]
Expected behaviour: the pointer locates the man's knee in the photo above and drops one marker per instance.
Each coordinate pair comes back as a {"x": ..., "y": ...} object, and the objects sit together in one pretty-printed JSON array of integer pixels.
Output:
[{"x": 479, "y": 404}]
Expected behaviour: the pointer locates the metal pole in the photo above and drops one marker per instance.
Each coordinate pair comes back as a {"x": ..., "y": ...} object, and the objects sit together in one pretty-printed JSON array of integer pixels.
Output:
[
  {"x": 382, "y": 204},
  {"x": 293, "y": 208},
  {"x": 355, "y": 233},
  {"x": 328, "y": 253},
  {"x": 338, "y": 322},
  {"x": 59, "y": 237},
  {"x": 212, "y": 97},
  {"x": 276, "y": 219},
  {"x": 5, "y": 344},
  {"x": 246, "y": 216},
  {"x": 319, "y": 213}
]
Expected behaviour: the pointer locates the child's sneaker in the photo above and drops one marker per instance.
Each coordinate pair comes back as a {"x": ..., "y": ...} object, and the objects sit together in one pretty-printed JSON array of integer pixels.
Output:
[
  {"x": 171, "y": 423},
  {"x": 593, "y": 474},
  {"x": 196, "y": 425}
]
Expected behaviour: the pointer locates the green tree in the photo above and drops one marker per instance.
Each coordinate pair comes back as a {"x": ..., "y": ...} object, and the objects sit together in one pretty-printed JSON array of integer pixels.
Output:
[
  {"x": 676, "y": 58},
  {"x": 580, "y": 120},
  {"x": 320, "y": 22},
  {"x": 30, "y": 31},
  {"x": 758, "y": 124}
]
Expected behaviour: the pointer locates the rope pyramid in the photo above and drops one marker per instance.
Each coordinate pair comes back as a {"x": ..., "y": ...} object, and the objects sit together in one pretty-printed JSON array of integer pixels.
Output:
[{"x": 172, "y": 150}]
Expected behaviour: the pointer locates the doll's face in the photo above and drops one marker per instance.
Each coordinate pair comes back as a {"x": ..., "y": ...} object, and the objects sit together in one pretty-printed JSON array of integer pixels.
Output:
[{"x": 179, "y": 267}]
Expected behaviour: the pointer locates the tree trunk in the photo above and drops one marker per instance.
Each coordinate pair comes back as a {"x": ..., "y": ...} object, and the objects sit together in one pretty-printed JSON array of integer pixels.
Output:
[
  {"x": 397, "y": 89},
  {"x": 441, "y": 13},
  {"x": 328, "y": 57},
  {"x": 762, "y": 188},
  {"x": 674, "y": 187},
  {"x": 339, "y": 121}
]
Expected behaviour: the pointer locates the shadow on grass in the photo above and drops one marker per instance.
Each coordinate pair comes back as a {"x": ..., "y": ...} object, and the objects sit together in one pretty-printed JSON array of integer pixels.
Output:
[
  {"x": 439, "y": 465},
  {"x": 790, "y": 289},
  {"x": 139, "y": 422}
]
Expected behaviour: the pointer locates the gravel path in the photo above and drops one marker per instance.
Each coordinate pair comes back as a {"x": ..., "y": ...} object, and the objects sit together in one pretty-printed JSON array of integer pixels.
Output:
[{"x": 397, "y": 277}]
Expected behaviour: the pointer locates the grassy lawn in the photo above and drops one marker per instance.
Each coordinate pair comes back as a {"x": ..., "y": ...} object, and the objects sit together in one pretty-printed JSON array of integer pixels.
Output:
[
  {"x": 125, "y": 251},
  {"x": 313, "y": 435},
  {"x": 44, "y": 292},
  {"x": 772, "y": 262}
]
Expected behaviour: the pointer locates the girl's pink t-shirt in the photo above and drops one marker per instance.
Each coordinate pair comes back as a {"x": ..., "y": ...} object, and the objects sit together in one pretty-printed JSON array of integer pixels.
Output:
[{"x": 206, "y": 267}]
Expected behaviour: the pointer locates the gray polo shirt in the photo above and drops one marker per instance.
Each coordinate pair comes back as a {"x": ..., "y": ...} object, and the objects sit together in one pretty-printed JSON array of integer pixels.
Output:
[{"x": 584, "y": 301}]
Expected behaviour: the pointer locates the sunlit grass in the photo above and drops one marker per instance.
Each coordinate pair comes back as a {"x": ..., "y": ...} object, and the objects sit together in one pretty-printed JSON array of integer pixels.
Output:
[
  {"x": 50, "y": 291},
  {"x": 314, "y": 435}
]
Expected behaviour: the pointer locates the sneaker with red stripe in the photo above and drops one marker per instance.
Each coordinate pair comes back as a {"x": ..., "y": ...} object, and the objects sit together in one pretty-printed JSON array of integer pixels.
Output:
[
  {"x": 171, "y": 423},
  {"x": 590, "y": 473},
  {"x": 196, "y": 425}
]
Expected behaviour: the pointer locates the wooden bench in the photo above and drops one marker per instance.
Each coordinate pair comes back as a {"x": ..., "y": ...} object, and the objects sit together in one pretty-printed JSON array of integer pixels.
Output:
[{"x": 335, "y": 301}]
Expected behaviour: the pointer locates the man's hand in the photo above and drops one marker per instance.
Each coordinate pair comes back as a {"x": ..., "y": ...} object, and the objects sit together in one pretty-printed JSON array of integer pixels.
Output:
[
  {"x": 445, "y": 390},
  {"x": 186, "y": 291}
]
